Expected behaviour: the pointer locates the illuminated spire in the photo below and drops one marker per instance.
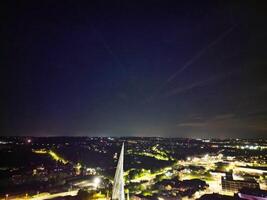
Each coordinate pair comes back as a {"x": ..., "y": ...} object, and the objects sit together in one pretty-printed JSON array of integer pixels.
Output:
[{"x": 118, "y": 186}]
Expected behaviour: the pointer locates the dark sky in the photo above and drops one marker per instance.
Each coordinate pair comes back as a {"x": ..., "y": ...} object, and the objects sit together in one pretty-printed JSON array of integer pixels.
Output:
[{"x": 134, "y": 68}]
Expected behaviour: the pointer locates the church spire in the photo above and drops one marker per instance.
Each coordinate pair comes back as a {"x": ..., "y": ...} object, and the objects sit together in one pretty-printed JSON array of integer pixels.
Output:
[{"x": 118, "y": 185}]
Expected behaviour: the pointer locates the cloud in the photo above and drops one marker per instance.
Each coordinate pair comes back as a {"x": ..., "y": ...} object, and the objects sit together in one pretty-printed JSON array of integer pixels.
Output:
[
  {"x": 201, "y": 122},
  {"x": 225, "y": 116},
  {"x": 226, "y": 125},
  {"x": 192, "y": 124},
  {"x": 197, "y": 84}
]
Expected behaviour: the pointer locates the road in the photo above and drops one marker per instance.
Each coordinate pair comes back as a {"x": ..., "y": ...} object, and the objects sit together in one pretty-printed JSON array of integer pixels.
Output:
[{"x": 43, "y": 196}]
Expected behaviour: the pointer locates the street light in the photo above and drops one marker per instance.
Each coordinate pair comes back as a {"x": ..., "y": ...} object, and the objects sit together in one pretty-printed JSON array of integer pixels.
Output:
[{"x": 97, "y": 182}]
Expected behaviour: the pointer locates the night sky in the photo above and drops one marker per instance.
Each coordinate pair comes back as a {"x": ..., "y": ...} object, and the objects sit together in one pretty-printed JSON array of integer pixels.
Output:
[{"x": 134, "y": 68}]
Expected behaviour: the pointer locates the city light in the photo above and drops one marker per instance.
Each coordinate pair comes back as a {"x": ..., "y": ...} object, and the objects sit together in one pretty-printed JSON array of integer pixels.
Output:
[
  {"x": 165, "y": 177},
  {"x": 97, "y": 181}
]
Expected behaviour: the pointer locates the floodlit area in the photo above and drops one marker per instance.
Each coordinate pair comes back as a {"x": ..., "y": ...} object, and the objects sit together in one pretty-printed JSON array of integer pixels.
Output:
[{"x": 152, "y": 169}]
